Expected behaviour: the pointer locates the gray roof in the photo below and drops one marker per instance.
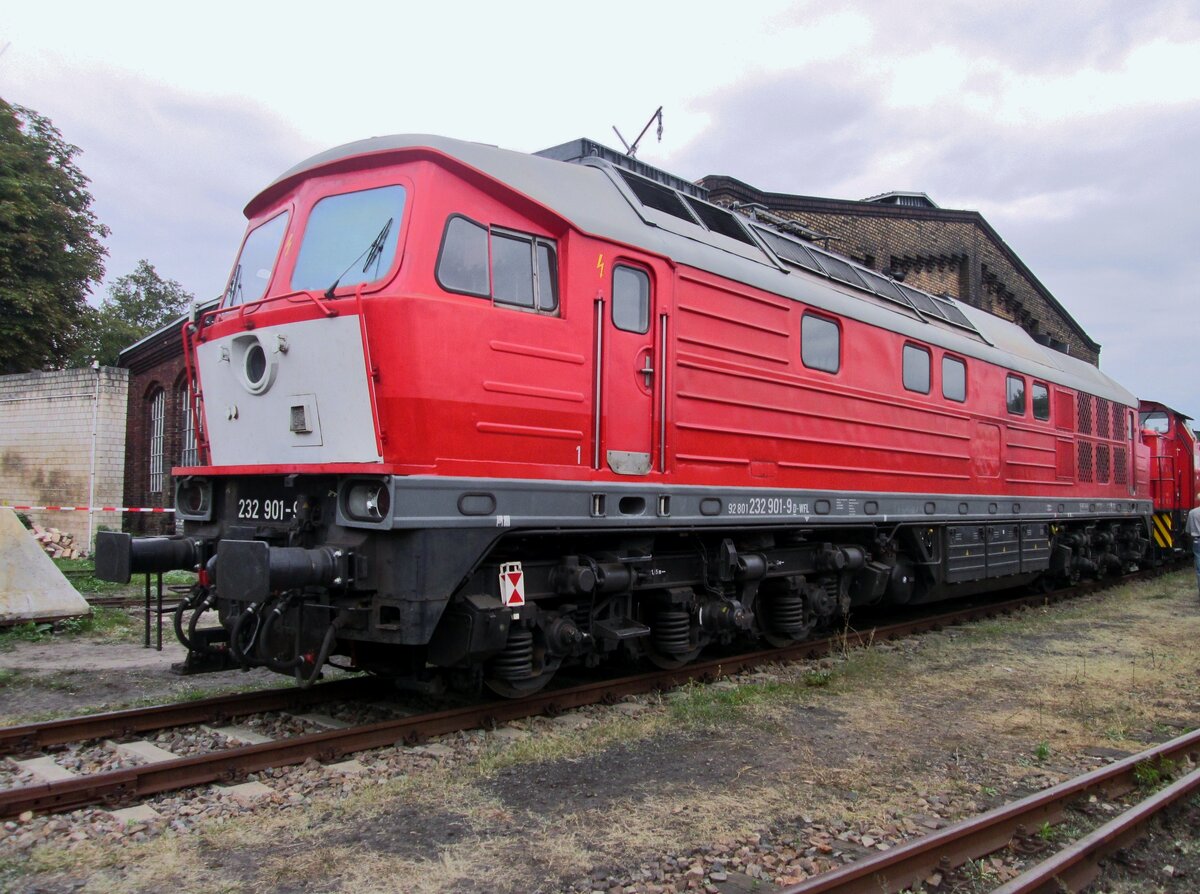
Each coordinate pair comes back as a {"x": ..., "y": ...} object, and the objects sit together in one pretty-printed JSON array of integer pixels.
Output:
[{"x": 593, "y": 198}]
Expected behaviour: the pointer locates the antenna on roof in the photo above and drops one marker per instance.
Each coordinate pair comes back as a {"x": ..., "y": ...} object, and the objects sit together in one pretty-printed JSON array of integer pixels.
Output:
[{"x": 631, "y": 151}]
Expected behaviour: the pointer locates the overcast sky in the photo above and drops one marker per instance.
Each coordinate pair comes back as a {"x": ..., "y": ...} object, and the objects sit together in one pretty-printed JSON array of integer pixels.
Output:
[{"x": 1074, "y": 128}]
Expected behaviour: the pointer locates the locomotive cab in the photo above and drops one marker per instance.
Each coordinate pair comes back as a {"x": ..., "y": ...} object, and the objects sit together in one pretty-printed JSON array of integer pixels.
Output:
[{"x": 1174, "y": 473}]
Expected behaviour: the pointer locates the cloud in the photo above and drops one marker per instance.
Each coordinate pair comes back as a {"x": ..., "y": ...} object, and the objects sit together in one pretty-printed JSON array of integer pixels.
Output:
[
  {"x": 170, "y": 171},
  {"x": 1100, "y": 207}
]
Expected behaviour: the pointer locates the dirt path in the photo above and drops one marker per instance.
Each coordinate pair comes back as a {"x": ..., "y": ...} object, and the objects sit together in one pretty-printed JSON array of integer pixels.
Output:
[{"x": 731, "y": 787}]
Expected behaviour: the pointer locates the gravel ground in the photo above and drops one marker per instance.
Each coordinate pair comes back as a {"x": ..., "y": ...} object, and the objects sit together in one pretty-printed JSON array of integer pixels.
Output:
[{"x": 745, "y": 785}]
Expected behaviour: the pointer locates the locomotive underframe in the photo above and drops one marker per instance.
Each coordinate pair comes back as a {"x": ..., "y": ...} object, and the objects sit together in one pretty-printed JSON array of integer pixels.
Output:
[{"x": 667, "y": 573}]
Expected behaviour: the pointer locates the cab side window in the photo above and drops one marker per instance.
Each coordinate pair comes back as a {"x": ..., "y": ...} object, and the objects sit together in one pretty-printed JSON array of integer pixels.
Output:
[{"x": 512, "y": 268}]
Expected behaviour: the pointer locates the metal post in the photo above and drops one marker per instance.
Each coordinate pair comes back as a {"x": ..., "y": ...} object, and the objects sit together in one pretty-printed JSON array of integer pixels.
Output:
[
  {"x": 92, "y": 469},
  {"x": 147, "y": 643},
  {"x": 160, "y": 611}
]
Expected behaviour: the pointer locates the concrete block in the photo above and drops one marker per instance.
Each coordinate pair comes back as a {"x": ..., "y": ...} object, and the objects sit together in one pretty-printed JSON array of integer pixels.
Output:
[
  {"x": 139, "y": 813},
  {"x": 323, "y": 720},
  {"x": 45, "y": 769},
  {"x": 240, "y": 734},
  {"x": 246, "y": 793},
  {"x": 147, "y": 751},
  {"x": 347, "y": 768},
  {"x": 31, "y": 586}
]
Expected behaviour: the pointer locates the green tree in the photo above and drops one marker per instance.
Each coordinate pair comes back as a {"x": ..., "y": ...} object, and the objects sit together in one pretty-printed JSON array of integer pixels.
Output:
[
  {"x": 50, "y": 250},
  {"x": 137, "y": 304}
]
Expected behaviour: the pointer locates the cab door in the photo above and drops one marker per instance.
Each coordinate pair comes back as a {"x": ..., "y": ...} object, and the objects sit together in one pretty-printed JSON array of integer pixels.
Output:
[{"x": 630, "y": 371}]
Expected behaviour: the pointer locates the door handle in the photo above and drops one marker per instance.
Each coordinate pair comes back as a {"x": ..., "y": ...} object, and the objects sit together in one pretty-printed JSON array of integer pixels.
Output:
[{"x": 647, "y": 370}]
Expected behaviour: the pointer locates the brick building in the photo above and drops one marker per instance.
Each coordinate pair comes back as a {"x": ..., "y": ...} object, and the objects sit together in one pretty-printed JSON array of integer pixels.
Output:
[
  {"x": 936, "y": 249},
  {"x": 159, "y": 432},
  {"x": 62, "y": 443}
]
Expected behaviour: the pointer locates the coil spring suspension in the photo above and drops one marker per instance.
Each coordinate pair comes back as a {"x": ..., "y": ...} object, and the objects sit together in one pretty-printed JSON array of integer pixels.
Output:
[
  {"x": 516, "y": 661},
  {"x": 672, "y": 632},
  {"x": 785, "y": 615}
]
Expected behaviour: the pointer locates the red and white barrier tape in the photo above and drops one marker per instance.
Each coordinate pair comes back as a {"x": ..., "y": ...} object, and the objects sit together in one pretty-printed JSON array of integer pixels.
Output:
[{"x": 87, "y": 508}]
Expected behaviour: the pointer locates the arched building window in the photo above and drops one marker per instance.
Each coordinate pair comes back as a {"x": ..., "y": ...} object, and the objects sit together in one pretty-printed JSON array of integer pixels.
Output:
[
  {"x": 187, "y": 431},
  {"x": 158, "y": 420}
]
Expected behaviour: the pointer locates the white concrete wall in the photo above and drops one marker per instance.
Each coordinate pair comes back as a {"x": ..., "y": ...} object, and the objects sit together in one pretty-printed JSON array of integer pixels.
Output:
[{"x": 46, "y": 444}]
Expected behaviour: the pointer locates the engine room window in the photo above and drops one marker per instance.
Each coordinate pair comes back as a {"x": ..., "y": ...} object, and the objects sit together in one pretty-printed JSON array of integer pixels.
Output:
[
  {"x": 820, "y": 343},
  {"x": 252, "y": 272},
  {"x": 1041, "y": 401},
  {"x": 916, "y": 369},
  {"x": 1016, "y": 395},
  {"x": 514, "y": 269},
  {"x": 631, "y": 299},
  {"x": 954, "y": 379},
  {"x": 350, "y": 239}
]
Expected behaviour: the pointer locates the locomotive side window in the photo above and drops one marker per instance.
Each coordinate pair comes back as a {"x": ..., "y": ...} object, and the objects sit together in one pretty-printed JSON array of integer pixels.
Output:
[
  {"x": 820, "y": 343},
  {"x": 1016, "y": 395},
  {"x": 252, "y": 272},
  {"x": 463, "y": 261},
  {"x": 350, "y": 239},
  {"x": 512, "y": 272},
  {"x": 1041, "y": 401},
  {"x": 916, "y": 369},
  {"x": 1156, "y": 421},
  {"x": 547, "y": 277},
  {"x": 515, "y": 269},
  {"x": 954, "y": 379},
  {"x": 631, "y": 299}
]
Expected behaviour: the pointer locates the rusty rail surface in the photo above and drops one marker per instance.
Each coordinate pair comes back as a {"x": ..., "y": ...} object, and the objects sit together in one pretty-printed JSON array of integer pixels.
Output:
[
  {"x": 1078, "y": 865},
  {"x": 32, "y": 736},
  {"x": 908, "y": 864}
]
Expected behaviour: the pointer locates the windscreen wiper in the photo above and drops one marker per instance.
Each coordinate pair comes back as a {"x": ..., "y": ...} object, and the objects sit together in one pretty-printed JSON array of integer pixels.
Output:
[
  {"x": 372, "y": 253},
  {"x": 235, "y": 286}
]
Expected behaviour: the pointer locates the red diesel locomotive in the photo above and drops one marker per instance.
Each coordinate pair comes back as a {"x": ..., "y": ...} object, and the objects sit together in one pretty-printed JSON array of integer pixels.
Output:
[
  {"x": 473, "y": 413},
  {"x": 1174, "y": 474}
]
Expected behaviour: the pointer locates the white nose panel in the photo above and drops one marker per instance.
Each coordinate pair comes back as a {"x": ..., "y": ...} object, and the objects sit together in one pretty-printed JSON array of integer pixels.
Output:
[{"x": 294, "y": 393}]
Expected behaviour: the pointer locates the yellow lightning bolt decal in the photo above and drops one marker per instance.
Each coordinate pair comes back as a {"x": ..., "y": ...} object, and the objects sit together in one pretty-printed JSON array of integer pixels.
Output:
[{"x": 600, "y": 265}]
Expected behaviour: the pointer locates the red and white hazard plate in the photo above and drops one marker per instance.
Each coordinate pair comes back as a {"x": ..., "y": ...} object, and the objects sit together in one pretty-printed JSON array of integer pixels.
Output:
[{"x": 512, "y": 584}]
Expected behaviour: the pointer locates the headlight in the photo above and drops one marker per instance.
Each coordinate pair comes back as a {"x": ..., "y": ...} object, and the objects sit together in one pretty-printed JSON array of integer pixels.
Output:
[
  {"x": 193, "y": 499},
  {"x": 367, "y": 500},
  {"x": 251, "y": 363}
]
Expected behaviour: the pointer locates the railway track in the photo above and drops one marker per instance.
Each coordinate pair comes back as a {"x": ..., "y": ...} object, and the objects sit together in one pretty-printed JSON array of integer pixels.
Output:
[
  {"x": 117, "y": 787},
  {"x": 910, "y": 863}
]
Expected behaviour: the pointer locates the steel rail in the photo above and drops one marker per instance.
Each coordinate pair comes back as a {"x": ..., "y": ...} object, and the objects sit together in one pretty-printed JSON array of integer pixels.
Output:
[
  {"x": 908, "y": 864},
  {"x": 32, "y": 736},
  {"x": 1078, "y": 865}
]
